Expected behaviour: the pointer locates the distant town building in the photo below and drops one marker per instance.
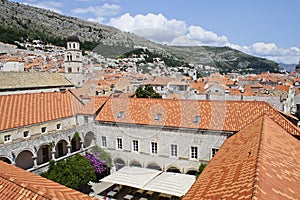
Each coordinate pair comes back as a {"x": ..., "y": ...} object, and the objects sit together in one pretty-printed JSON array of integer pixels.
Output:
[{"x": 12, "y": 64}]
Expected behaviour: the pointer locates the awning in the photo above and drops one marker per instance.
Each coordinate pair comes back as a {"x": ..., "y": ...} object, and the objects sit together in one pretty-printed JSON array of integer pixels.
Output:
[
  {"x": 152, "y": 180},
  {"x": 100, "y": 187},
  {"x": 171, "y": 183},
  {"x": 136, "y": 177}
]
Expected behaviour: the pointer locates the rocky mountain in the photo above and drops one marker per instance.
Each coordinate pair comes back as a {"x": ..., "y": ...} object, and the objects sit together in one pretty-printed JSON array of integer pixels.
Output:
[
  {"x": 288, "y": 67},
  {"x": 224, "y": 58},
  {"x": 20, "y": 22}
]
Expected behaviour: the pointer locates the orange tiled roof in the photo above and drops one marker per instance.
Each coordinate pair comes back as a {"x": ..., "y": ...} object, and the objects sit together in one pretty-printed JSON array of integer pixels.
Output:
[
  {"x": 25, "y": 109},
  {"x": 259, "y": 162},
  {"x": 197, "y": 85},
  {"x": 235, "y": 91},
  {"x": 215, "y": 115},
  {"x": 93, "y": 105},
  {"x": 16, "y": 183},
  {"x": 285, "y": 88},
  {"x": 248, "y": 92}
]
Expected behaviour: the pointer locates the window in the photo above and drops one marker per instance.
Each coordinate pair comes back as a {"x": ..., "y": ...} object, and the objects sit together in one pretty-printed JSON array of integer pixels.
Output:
[
  {"x": 119, "y": 143},
  {"x": 26, "y": 134},
  {"x": 135, "y": 145},
  {"x": 214, "y": 151},
  {"x": 157, "y": 117},
  {"x": 173, "y": 150},
  {"x": 194, "y": 152},
  {"x": 120, "y": 114},
  {"x": 44, "y": 129},
  {"x": 7, "y": 138},
  {"x": 103, "y": 141},
  {"x": 154, "y": 147},
  {"x": 86, "y": 119},
  {"x": 58, "y": 126},
  {"x": 196, "y": 119}
]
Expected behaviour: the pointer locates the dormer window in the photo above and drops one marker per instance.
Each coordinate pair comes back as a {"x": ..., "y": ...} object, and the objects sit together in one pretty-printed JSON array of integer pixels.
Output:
[
  {"x": 157, "y": 117},
  {"x": 196, "y": 119},
  {"x": 120, "y": 114}
]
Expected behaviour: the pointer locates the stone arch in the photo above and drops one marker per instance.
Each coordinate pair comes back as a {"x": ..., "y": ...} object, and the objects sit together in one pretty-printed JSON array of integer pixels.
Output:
[
  {"x": 192, "y": 171},
  {"x": 75, "y": 142},
  {"x": 5, "y": 159},
  {"x": 24, "y": 159},
  {"x": 119, "y": 163},
  {"x": 61, "y": 148},
  {"x": 173, "y": 169},
  {"x": 135, "y": 163},
  {"x": 89, "y": 138},
  {"x": 155, "y": 166},
  {"x": 44, "y": 154}
]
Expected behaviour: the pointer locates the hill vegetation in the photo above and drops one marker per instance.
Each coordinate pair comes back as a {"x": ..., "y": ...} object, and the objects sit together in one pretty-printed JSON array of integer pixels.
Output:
[{"x": 22, "y": 22}]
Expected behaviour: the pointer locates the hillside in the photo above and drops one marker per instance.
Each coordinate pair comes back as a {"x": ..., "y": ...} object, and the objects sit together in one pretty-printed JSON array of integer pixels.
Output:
[
  {"x": 21, "y": 22},
  {"x": 224, "y": 58}
]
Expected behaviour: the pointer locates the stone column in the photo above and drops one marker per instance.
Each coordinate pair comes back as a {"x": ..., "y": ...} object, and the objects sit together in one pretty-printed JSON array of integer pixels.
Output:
[
  {"x": 81, "y": 145},
  {"x": 34, "y": 161},
  {"x": 69, "y": 149},
  {"x": 53, "y": 154}
]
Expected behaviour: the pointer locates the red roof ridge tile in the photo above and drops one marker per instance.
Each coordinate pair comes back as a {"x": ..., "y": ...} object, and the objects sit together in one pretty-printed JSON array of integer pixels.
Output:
[
  {"x": 25, "y": 186},
  {"x": 255, "y": 161},
  {"x": 22, "y": 183},
  {"x": 215, "y": 115}
]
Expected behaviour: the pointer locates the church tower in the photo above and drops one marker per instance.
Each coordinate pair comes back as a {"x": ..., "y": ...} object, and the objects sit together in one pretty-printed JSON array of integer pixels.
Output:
[
  {"x": 73, "y": 62},
  {"x": 73, "y": 55}
]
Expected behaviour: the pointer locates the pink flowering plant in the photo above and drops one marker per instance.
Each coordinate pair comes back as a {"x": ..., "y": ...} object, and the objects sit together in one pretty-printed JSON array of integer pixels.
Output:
[{"x": 98, "y": 164}]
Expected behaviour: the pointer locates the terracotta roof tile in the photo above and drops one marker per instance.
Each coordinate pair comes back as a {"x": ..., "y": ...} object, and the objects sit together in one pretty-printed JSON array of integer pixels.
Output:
[
  {"x": 259, "y": 162},
  {"x": 16, "y": 183},
  {"x": 25, "y": 109},
  {"x": 93, "y": 105},
  {"x": 197, "y": 85},
  {"x": 215, "y": 115},
  {"x": 235, "y": 91},
  {"x": 285, "y": 88}
]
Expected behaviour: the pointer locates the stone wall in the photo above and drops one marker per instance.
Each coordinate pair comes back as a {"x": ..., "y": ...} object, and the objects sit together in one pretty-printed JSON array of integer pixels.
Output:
[{"x": 183, "y": 138}]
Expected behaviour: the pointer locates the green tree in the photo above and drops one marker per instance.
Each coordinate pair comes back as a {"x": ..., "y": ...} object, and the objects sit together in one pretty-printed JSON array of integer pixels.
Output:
[
  {"x": 146, "y": 92},
  {"x": 72, "y": 172},
  {"x": 201, "y": 168}
]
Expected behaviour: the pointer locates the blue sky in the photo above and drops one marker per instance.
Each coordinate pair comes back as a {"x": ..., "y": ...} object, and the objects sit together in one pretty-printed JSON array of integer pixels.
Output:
[{"x": 264, "y": 28}]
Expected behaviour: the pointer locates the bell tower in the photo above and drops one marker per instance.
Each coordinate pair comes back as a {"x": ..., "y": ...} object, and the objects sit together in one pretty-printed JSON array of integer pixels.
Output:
[
  {"x": 73, "y": 62},
  {"x": 73, "y": 55}
]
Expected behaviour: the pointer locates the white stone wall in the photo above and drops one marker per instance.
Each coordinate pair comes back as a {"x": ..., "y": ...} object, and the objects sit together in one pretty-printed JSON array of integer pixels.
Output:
[
  {"x": 184, "y": 139},
  {"x": 12, "y": 66},
  {"x": 84, "y": 119},
  {"x": 32, "y": 144},
  {"x": 75, "y": 79},
  {"x": 35, "y": 129}
]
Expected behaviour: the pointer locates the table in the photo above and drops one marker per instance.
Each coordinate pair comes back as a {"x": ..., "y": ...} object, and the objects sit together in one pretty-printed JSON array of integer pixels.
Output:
[
  {"x": 128, "y": 196},
  {"x": 111, "y": 193}
]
